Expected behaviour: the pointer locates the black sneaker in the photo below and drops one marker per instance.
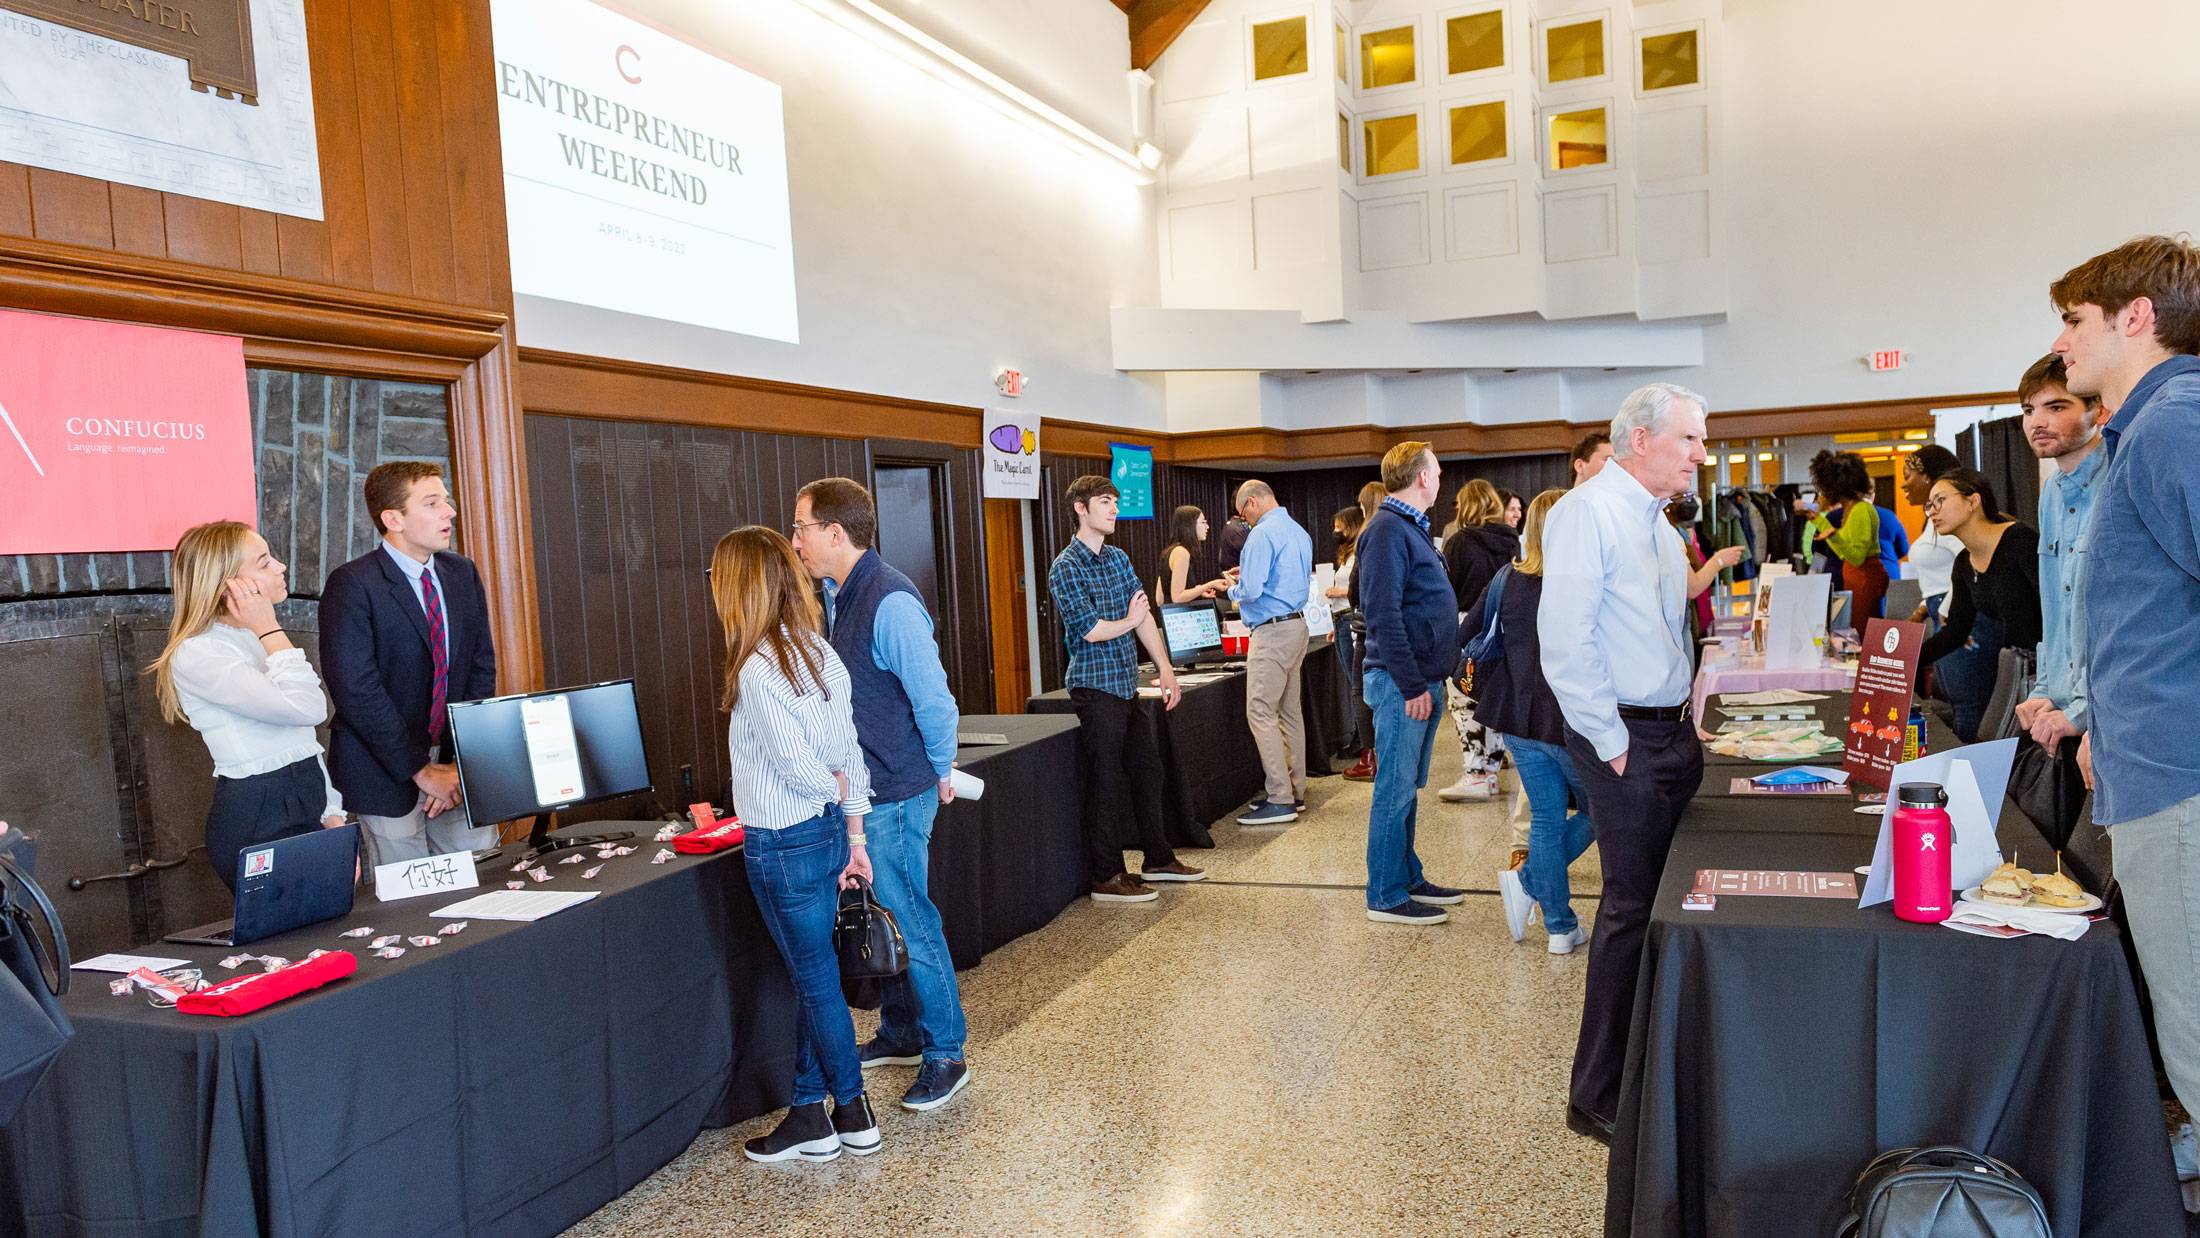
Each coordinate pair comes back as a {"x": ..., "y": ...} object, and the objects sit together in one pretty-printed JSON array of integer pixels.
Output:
[
  {"x": 1408, "y": 912},
  {"x": 806, "y": 1133},
  {"x": 936, "y": 1084},
  {"x": 876, "y": 1052},
  {"x": 857, "y": 1127},
  {"x": 1434, "y": 895}
]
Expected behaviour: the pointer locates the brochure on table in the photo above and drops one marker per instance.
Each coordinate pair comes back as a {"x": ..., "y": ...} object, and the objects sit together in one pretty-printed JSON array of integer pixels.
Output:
[
  {"x": 1796, "y": 636},
  {"x": 1973, "y": 776},
  {"x": 1320, "y": 621},
  {"x": 1879, "y": 714}
]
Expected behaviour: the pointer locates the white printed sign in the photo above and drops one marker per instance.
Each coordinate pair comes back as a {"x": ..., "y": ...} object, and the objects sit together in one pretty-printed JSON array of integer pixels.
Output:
[
  {"x": 552, "y": 753},
  {"x": 114, "y": 111},
  {"x": 1796, "y": 638},
  {"x": 436, "y": 874},
  {"x": 1010, "y": 454}
]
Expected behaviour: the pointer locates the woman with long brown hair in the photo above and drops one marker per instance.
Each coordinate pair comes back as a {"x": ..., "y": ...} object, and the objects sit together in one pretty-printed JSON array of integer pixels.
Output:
[
  {"x": 801, "y": 790},
  {"x": 230, "y": 671}
]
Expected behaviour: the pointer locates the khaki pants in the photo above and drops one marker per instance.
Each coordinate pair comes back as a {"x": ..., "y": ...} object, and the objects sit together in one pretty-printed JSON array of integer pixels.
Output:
[{"x": 1272, "y": 706}]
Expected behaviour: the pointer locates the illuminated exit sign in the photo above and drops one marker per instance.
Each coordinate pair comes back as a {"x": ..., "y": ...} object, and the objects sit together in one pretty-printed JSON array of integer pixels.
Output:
[{"x": 1889, "y": 359}]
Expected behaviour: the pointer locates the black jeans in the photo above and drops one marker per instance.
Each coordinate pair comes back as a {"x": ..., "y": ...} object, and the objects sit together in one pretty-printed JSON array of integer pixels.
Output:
[
  {"x": 1122, "y": 780},
  {"x": 1635, "y": 817}
]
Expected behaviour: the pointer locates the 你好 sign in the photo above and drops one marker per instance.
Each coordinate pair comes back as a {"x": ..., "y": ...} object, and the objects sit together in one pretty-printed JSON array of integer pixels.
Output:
[
  {"x": 1886, "y": 671},
  {"x": 118, "y": 437}
]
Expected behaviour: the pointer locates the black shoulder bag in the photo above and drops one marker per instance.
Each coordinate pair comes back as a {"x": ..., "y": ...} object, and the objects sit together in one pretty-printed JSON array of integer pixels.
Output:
[{"x": 33, "y": 977}]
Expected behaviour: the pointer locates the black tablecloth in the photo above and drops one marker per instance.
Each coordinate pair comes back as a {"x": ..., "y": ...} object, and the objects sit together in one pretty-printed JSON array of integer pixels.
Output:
[
  {"x": 511, "y": 1080},
  {"x": 1209, "y": 765},
  {"x": 1780, "y": 1043},
  {"x": 1326, "y": 707},
  {"x": 1007, "y": 864}
]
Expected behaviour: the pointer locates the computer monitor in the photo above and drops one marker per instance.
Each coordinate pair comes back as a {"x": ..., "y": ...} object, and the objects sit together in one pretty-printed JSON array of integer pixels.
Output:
[
  {"x": 1193, "y": 632},
  {"x": 539, "y": 752}
]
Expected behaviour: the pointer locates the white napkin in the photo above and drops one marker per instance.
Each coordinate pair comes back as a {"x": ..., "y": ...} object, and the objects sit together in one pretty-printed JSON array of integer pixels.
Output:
[{"x": 2031, "y": 920}]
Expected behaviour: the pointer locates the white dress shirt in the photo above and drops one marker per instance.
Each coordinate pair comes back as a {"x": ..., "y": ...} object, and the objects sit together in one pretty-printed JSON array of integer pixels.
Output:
[
  {"x": 414, "y": 569},
  {"x": 787, "y": 742},
  {"x": 1933, "y": 563},
  {"x": 255, "y": 711},
  {"x": 1613, "y": 622}
]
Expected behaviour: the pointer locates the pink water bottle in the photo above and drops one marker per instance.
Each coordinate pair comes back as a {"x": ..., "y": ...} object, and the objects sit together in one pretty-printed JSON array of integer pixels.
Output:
[{"x": 1924, "y": 836}]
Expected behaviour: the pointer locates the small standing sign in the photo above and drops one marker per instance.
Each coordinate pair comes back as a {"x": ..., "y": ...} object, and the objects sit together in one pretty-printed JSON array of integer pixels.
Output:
[
  {"x": 436, "y": 874},
  {"x": 1886, "y": 671}
]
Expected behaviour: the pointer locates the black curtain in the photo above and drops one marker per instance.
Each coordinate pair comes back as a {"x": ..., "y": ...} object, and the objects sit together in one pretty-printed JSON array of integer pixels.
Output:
[{"x": 1998, "y": 449}]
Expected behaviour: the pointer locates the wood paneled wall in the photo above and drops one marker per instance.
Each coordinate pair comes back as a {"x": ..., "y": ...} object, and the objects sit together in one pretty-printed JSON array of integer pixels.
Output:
[
  {"x": 625, "y": 517},
  {"x": 1315, "y": 495}
]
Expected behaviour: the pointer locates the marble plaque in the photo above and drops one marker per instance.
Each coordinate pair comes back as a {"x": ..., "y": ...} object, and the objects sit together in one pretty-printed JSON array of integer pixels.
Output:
[{"x": 99, "y": 107}]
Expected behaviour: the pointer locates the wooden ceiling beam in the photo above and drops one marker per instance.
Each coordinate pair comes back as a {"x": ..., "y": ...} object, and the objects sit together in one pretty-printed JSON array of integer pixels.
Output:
[{"x": 1155, "y": 24}]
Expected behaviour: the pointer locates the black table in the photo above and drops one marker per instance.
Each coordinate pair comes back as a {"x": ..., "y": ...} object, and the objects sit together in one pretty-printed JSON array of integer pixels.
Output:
[
  {"x": 511, "y": 1080},
  {"x": 1780, "y": 1043},
  {"x": 1326, "y": 706},
  {"x": 1007, "y": 864},
  {"x": 1209, "y": 765}
]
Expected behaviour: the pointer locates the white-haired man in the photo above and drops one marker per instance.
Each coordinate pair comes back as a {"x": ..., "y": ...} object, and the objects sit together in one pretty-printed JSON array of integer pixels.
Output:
[{"x": 1614, "y": 634}]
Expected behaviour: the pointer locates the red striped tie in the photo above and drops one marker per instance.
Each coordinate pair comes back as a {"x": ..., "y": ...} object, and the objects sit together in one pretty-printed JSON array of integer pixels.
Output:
[{"x": 440, "y": 658}]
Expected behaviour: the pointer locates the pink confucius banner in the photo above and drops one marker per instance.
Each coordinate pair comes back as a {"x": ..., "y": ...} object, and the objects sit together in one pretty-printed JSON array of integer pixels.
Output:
[{"x": 118, "y": 437}]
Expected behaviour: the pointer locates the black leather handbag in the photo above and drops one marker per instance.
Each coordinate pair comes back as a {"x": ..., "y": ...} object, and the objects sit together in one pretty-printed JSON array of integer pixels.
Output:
[
  {"x": 1942, "y": 1192},
  {"x": 34, "y": 974},
  {"x": 2048, "y": 787},
  {"x": 866, "y": 938}
]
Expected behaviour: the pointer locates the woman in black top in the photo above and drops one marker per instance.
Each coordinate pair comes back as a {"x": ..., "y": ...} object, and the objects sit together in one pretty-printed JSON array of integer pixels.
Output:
[
  {"x": 1516, "y": 701},
  {"x": 1476, "y": 544},
  {"x": 1994, "y": 597}
]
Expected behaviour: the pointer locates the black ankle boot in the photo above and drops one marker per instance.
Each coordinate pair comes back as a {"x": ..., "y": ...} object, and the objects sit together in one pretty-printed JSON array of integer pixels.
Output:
[
  {"x": 857, "y": 1125},
  {"x": 806, "y": 1133}
]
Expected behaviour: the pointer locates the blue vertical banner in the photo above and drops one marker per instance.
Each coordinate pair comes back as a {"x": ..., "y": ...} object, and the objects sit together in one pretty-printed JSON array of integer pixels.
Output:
[{"x": 1131, "y": 469}]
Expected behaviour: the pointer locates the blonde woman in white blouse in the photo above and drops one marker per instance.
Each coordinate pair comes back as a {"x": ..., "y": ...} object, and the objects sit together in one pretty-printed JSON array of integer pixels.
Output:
[
  {"x": 801, "y": 790},
  {"x": 231, "y": 672}
]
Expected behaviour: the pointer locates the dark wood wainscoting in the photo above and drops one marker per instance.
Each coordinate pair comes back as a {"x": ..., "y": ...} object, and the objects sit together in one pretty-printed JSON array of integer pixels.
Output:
[{"x": 625, "y": 516}]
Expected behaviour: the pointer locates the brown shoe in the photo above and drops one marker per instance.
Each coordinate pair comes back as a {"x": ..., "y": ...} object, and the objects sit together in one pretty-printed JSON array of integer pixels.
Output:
[
  {"x": 1365, "y": 770},
  {"x": 1520, "y": 857},
  {"x": 1124, "y": 888},
  {"x": 1172, "y": 872}
]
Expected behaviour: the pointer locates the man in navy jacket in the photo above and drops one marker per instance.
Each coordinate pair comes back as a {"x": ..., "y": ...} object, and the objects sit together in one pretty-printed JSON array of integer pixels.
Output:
[
  {"x": 1412, "y": 648},
  {"x": 405, "y": 632}
]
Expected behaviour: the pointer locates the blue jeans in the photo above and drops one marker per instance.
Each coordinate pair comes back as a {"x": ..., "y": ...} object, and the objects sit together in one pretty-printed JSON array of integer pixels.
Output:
[
  {"x": 795, "y": 874},
  {"x": 1402, "y": 748},
  {"x": 922, "y": 1005},
  {"x": 1555, "y": 840}
]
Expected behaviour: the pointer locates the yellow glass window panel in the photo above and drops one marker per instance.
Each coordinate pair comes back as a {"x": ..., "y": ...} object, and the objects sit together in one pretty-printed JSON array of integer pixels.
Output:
[
  {"x": 1475, "y": 42},
  {"x": 1478, "y": 132},
  {"x": 1669, "y": 60},
  {"x": 1386, "y": 58},
  {"x": 1575, "y": 51},
  {"x": 1344, "y": 142},
  {"x": 1279, "y": 48},
  {"x": 1341, "y": 57},
  {"x": 1580, "y": 139},
  {"x": 1392, "y": 143}
]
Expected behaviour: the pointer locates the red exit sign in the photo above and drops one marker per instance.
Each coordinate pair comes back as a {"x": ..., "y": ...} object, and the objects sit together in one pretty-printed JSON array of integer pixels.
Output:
[{"x": 1888, "y": 359}]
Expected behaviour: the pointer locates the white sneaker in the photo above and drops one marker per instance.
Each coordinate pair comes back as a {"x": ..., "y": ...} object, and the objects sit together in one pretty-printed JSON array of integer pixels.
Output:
[
  {"x": 1469, "y": 787},
  {"x": 1567, "y": 943},
  {"x": 1518, "y": 906}
]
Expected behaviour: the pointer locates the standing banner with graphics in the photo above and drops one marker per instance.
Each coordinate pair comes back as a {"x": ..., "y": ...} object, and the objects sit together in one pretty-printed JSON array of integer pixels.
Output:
[
  {"x": 1010, "y": 454},
  {"x": 1131, "y": 469},
  {"x": 1886, "y": 670},
  {"x": 116, "y": 437}
]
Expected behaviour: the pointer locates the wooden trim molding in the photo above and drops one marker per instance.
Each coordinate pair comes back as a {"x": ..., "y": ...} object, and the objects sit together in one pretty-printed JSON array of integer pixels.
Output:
[
  {"x": 1843, "y": 418},
  {"x": 489, "y": 456}
]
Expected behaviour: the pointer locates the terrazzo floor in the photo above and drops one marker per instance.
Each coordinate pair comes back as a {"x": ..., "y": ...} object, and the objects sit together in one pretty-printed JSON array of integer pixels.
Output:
[{"x": 1247, "y": 1055}]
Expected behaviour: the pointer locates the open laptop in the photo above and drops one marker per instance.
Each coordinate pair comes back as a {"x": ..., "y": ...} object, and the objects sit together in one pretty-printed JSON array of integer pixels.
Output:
[
  {"x": 284, "y": 885},
  {"x": 1193, "y": 632}
]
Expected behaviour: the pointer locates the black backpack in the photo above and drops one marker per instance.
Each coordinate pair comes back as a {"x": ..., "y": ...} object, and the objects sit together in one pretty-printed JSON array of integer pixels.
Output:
[{"x": 1942, "y": 1192}]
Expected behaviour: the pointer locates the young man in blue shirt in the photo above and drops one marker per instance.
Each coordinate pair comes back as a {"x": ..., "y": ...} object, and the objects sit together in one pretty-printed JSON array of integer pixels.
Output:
[
  {"x": 1276, "y": 574},
  {"x": 2131, "y": 327},
  {"x": 905, "y": 723},
  {"x": 1106, "y": 616},
  {"x": 2066, "y": 429}
]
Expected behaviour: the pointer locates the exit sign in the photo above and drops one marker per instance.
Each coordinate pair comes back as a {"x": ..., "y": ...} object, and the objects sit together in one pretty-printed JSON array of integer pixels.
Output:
[{"x": 1889, "y": 359}]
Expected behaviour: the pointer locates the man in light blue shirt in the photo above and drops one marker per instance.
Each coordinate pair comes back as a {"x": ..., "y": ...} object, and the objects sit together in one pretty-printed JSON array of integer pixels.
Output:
[
  {"x": 1613, "y": 630},
  {"x": 905, "y": 722},
  {"x": 2066, "y": 429},
  {"x": 1276, "y": 572}
]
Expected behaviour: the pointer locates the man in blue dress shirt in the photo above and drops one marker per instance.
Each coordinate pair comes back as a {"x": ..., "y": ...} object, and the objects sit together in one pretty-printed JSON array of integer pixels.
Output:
[
  {"x": 905, "y": 723},
  {"x": 1276, "y": 572},
  {"x": 1613, "y": 628},
  {"x": 2064, "y": 428},
  {"x": 2131, "y": 327}
]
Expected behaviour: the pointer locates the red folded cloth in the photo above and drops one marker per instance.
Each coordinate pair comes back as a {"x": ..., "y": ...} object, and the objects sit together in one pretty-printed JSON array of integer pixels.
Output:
[
  {"x": 720, "y": 837},
  {"x": 246, "y": 994}
]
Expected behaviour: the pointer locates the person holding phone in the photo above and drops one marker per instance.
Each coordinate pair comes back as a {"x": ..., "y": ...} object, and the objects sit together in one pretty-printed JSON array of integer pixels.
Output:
[{"x": 231, "y": 672}]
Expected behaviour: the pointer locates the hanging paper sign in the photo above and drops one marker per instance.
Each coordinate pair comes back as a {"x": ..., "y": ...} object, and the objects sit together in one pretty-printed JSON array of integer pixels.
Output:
[
  {"x": 1010, "y": 454},
  {"x": 1131, "y": 469}
]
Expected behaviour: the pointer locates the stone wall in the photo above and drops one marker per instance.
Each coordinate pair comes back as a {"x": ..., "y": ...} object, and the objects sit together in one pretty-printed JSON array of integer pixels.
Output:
[{"x": 316, "y": 438}]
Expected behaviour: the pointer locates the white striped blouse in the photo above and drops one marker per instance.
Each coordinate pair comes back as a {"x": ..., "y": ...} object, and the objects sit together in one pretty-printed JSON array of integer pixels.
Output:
[{"x": 787, "y": 742}]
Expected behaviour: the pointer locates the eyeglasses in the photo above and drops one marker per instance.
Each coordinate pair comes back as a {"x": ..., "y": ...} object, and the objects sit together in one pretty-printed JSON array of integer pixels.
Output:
[
  {"x": 799, "y": 525},
  {"x": 1935, "y": 503}
]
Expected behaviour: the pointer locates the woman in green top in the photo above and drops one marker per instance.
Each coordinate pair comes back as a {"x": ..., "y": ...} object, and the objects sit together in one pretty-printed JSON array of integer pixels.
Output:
[{"x": 1849, "y": 525}]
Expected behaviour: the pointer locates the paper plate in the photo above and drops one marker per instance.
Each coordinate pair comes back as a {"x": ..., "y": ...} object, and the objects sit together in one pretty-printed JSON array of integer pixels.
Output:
[{"x": 2092, "y": 903}]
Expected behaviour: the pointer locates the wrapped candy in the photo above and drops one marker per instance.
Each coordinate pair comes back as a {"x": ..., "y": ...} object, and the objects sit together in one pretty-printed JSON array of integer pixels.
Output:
[
  {"x": 234, "y": 961},
  {"x": 384, "y": 941},
  {"x": 663, "y": 854},
  {"x": 589, "y": 874},
  {"x": 515, "y": 885},
  {"x": 362, "y": 931},
  {"x": 425, "y": 942},
  {"x": 574, "y": 858},
  {"x": 390, "y": 952},
  {"x": 454, "y": 928},
  {"x": 119, "y": 987},
  {"x": 537, "y": 875}
]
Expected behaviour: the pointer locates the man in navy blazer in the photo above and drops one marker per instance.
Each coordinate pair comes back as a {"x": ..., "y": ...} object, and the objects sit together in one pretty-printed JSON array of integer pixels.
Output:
[{"x": 405, "y": 632}]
